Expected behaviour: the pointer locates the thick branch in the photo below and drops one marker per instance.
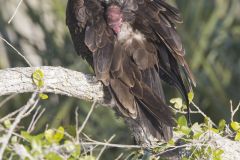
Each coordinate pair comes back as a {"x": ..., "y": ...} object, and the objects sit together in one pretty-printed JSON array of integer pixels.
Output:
[{"x": 57, "y": 80}]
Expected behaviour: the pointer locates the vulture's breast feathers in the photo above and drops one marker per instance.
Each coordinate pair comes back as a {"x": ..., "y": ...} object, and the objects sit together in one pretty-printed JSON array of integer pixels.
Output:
[{"x": 136, "y": 46}]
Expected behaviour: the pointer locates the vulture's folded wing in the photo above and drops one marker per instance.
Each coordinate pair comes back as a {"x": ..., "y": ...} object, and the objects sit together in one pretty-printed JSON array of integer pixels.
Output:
[{"x": 92, "y": 38}]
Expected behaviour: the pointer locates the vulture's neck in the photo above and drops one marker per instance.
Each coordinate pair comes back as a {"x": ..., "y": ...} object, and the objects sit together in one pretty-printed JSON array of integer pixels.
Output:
[
  {"x": 123, "y": 30},
  {"x": 114, "y": 17},
  {"x": 128, "y": 34}
]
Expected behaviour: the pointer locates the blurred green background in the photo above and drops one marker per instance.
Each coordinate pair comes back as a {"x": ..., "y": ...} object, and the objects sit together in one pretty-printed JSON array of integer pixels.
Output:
[{"x": 210, "y": 34}]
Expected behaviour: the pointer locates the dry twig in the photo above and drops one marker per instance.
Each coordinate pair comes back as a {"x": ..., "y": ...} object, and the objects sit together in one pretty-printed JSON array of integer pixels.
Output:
[
  {"x": 19, "y": 53},
  {"x": 234, "y": 111},
  {"x": 15, "y": 12},
  {"x": 7, "y": 99},
  {"x": 104, "y": 147},
  {"x": 19, "y": 117}
]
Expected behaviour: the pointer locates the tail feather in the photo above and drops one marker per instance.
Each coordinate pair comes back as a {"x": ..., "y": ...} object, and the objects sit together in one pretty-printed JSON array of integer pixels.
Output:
[
  {"x": 153, "y": 104},
  {"x": 152, "y": 125},
  {"x": 154, "y": 115}
]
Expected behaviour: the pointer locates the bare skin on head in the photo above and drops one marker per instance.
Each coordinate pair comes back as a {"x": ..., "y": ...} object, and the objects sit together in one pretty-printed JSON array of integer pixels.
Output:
[{"x": 114, "y": 18}]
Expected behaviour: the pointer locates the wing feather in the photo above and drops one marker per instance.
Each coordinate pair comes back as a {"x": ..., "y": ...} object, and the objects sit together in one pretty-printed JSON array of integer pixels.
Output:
[
  {"x": 161, "y": 30},
  {"x": 91, "y": 36}
]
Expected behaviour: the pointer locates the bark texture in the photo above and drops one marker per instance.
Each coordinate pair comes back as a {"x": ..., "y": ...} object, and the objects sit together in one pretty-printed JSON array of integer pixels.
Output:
[{"x": 57, "y": 80}]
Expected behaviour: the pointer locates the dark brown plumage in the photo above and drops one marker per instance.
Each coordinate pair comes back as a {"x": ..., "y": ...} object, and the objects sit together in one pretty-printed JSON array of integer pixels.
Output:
[{"x": 132, "y": 45}]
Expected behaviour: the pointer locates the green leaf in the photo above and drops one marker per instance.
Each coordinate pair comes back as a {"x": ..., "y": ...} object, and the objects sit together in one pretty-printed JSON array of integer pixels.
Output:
[
  {"x": 217, "y": 154},
  {"x": 178, "y": 103},
  {"x": 43, "y": 96},
  {"x": 235, "y": 126},
  {"x": 37, "y": 77},
  {"x": 49, "y": 135},
  {"x": 182, "y": 121},
  {"x": 40, "y": 84},
  {"x": 237, "y": 137},
  {"x": 190, "y": 96},
  {"x": 196, "y": 128},
  {"x": 52, "y": 156},
  {"x": 31, "y": 138},
  {"x": 87, "y": 158},
  {"x": 7, "y": 123},
  {"x": 26, "y": 135},
  {"x": 14, "y": 140},
  {"x": 184, "y": 107},
  {"x": 214, "y": 130},
  {"x": 69, "y": 146},
  {"x": 221, "y": 124},
  {"x": 53, "y": 136},
  {"x": 208, "y": 122},
  {"x": 185, "y": 130},
  {"x": 59, "y": 134},
  {"x": 197, "y": 135},
  {"x": 171, "y": 142},
  {"x": 77, "y": 152},
  {"x": 38, "y": 74}
]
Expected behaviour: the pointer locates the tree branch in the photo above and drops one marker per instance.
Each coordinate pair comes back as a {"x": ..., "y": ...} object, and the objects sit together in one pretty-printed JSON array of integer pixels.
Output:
[{"x": 57, "y": 80}]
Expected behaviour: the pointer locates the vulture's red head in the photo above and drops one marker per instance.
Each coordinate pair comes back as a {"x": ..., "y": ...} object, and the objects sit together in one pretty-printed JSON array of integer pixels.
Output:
[{"x": 114, "y": 17}]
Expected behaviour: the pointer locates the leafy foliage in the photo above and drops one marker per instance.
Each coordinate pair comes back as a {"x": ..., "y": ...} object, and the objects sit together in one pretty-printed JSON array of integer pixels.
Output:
[
  {"x": 50, "y": 145},
  {"x": 58, "y": 144}
]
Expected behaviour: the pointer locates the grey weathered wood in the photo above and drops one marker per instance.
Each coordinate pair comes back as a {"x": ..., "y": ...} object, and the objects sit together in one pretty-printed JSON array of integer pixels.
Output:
[{"x": 57, "y": 80}]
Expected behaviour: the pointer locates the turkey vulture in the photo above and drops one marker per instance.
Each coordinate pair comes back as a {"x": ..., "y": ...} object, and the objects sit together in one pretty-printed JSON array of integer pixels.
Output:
[{"x": 132, "y": 46}]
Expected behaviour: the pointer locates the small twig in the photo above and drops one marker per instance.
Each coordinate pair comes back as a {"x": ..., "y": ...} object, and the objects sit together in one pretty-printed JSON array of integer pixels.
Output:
[
  {"x": 183, "y": 112},
  {"x": 10, "y": 115},
  {"x": 76, "y": 120},
  {"x": 36, "y": 117},
  {"x": 30, "y": 102},
  {"x": 111, "y": 145},
  {"x": 88, "y": 138},
  {"x": 69, "y": 136},
  {"x": 193, "y": 152},
  {"x": 86, "y": 119},
  {"x": 15, "y": 12},
  {"x": 233, "y": 111},
  {"x": 15, "y": 134},
  {"x": 204, "y": 115},
  {"x": 180, "y": 146},
  {"x": 89, "y": 149},
  {"x": 19, "y": 53},
  {"x": 104, "y": 147},
  {"x": 18, "y": 148},
  {"x": 33, "y": 119},
  {"x": 197, "y": 146},
  {"x": 94, "y": 142},
  {"x": 31, "y": 109},
  {"x": 119, "y": 157},
  {"x": 7, "y": 99}
]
